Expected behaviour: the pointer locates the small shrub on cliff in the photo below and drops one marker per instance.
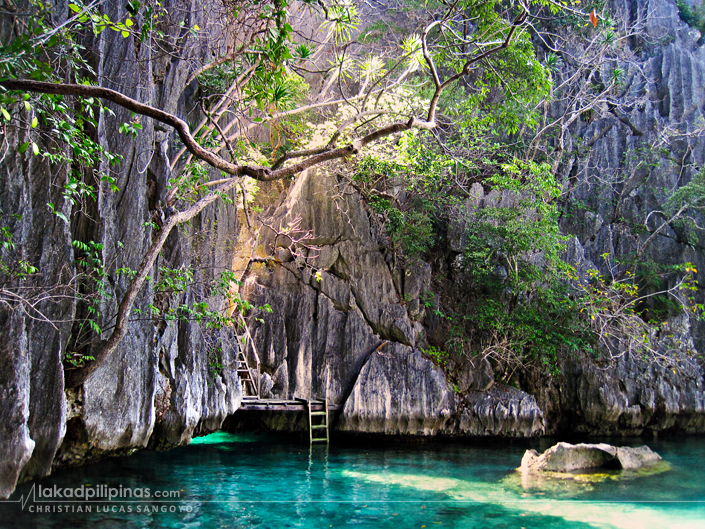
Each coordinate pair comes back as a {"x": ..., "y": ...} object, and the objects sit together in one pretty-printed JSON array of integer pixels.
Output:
[
  {"x": 694, "y": 15},
  {"x": 407, "y": 216},
  {"x": 518, "y": 309}
]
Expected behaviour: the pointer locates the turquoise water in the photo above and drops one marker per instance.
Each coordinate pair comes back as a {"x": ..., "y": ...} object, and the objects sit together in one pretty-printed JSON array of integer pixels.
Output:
[{"x": 245, "y": 480}]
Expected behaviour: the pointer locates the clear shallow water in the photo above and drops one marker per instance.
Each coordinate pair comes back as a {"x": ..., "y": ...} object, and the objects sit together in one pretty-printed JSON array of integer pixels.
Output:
[{"x": 227, "y": 480}]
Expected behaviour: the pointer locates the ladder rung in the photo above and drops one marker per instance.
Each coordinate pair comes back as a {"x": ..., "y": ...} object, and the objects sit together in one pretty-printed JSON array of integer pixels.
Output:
[{"x": 321, "y": 410}]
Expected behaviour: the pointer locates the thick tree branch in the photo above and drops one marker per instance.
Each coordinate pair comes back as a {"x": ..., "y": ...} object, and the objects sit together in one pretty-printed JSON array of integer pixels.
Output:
[
  {"x": 79, "y": 376},
  {"x": 310, "y": 158},
  {"x": 256, "y": 172},
  {"x": 221, "y": 107},
  {"x": 298, "y": 154}
]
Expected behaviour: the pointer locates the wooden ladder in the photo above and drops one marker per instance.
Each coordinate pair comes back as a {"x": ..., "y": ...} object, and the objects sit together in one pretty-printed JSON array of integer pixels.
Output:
[
  {"x": 318, "y": 421},
  {"x": 247, "y": 377}
]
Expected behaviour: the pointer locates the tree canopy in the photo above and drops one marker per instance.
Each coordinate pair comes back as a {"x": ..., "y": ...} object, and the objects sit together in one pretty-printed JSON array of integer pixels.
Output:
[{"x": 459, "y": 78}]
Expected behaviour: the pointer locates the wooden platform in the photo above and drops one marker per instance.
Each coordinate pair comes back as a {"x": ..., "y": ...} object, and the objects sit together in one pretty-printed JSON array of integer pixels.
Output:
[
  {"x": 250, "y": 404},
  {"x": 317, "y": 410}
]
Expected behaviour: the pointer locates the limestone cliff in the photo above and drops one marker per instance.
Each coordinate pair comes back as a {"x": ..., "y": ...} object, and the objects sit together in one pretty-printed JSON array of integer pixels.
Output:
[
  {"x": 634, "y": 164},
  {"x": 347, "y": 324},
  {"x": 159, "y": 388},
  {"x": 347, "y": 327},
  {"x": 360, "y": 315},
  {"x": 655, "y": 147}
]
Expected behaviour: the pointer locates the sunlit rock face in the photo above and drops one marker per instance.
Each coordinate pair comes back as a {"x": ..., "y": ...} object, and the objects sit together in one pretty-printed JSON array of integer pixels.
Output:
[
  {"x": 334, "y": 303},
  {"x": 352, "y": 334},
  {"x": 399, "y": 392}
]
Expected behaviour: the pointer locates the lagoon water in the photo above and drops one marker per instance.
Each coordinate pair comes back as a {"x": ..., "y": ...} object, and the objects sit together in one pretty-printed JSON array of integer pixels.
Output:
[{"x": 248, "y": 480}]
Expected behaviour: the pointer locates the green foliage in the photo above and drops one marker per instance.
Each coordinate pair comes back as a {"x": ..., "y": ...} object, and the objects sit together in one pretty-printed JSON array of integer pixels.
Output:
[
  {"x": 341, "y": 19},
  {"x": 694, "y": 15},
  {"x": 90, "y": 259},
  {"x": 410, "y": 226},
  {"x": 534, "y": 331},
  {"x": 215, "y": 359},
  {"x": 223, "y": 307},
  {"x": 173, "y": 280},
  {"x": 191, "y": 180},
  {"x": 522, "y": 237},
  {"x": 377, "y": 29},
  {"x": 132, "y": 128},
  {"x": 687, "y": 203},
  {"x": 12, "y": 270},
  {"x": 440, "y": 358},
  {"x": 77, "y": 360},
  {"x": 504, "y": 92},
  {"x": 656, "y": 303},
  {"x": 92, "y": 291},
  {"x": 60, "y": 129},
  {"x": 520, "y": 307},
  {"x": 272, "y": 86}
]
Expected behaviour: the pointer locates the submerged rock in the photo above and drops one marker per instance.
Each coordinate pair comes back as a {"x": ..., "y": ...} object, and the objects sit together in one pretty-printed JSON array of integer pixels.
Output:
[{"x": 565, "y": 457}]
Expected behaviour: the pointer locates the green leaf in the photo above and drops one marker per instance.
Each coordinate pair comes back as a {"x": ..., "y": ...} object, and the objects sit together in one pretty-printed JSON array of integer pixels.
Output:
[
  {"x": 27, "y": 106},
  {"x": 35, "y": 122},
  {"x": 74, "y": 8},
  {"x": 35, "y": 148},
  {"x": 62, "y": 217},
  {"x": 125, "y": 34},
  {"x": 5, "y": 113},
  {"x": 23, "y": 147}
]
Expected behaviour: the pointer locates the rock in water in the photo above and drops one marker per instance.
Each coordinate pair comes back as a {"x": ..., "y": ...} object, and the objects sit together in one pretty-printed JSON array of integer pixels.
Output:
[
  {"x": 636, "y": 457},
  {"x": 565, "y": 457}
]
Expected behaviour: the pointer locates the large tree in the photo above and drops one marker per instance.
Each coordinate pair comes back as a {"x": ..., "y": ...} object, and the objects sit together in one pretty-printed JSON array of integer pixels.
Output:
[{"x": 265, "y": 60}]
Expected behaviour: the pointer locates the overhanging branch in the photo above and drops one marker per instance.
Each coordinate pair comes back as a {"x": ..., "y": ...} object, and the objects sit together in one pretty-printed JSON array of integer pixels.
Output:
[
  {"x": 256, "y": 172},
  {"x": 309, "y": 158}
]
